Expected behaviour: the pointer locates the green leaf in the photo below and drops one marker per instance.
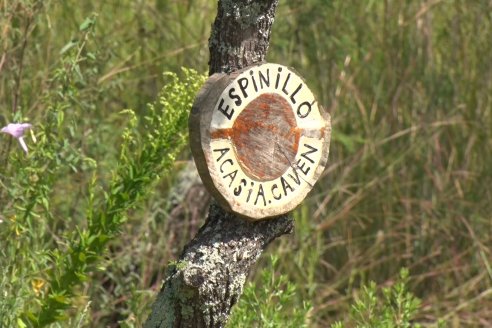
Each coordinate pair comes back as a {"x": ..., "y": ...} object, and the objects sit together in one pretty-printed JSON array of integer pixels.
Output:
[
  {"x": 348, "y": 141},
  {"x": 20, "y": 323},
  {"x": 68, "y": 46},
  {"x": 86, "y": 24}
]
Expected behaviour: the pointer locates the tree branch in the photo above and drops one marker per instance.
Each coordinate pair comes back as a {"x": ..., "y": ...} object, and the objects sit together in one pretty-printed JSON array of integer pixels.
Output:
[
  {"x": 202, "y": 288},
  {"x": 241, "y": 34}
]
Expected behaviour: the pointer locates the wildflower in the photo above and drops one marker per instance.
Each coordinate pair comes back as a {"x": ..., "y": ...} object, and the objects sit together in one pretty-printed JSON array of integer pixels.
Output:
[
  {"x": 17, "y": 130},
  {"x": 37, "y": 285}
]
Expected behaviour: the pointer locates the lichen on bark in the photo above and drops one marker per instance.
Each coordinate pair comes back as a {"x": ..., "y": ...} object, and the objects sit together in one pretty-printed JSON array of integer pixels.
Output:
[{"x": 201, "y": 290}]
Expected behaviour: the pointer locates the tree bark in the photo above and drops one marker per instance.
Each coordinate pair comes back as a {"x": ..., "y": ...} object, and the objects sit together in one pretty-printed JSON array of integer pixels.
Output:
[
  {"x": 241, "y": 34},
  {"x": 202, "y": 287}
]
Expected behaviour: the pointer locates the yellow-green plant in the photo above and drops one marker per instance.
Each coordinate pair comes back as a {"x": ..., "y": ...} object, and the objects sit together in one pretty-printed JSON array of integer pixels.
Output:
[
  {"x": 395, "y": 309},
  {"x": 272, "y": 302},
  {"x": 57, "y": 260}
]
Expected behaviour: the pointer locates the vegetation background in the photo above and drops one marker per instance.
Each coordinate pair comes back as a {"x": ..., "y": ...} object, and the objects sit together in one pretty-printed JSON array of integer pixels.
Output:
[{"x": 90, "y": 219}]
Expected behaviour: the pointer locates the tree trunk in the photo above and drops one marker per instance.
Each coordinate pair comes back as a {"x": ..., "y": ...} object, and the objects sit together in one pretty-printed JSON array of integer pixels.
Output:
[
  {"x": 201, "y": 289},
  {"x": 241, "y": 34}
]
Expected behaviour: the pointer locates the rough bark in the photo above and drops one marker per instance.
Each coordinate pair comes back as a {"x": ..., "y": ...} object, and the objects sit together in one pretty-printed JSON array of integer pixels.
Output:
[
  {"x": 241, "y": 34},
  {"x": 201, "y": 289}
]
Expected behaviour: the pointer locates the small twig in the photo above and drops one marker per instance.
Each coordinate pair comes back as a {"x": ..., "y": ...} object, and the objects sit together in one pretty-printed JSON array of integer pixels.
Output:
[
  {"x": 2, "y": 61},
  {"x": 463, "y": 305},
  {"x": 119, "y": 70},
  {"x": 18, "y": 80}
]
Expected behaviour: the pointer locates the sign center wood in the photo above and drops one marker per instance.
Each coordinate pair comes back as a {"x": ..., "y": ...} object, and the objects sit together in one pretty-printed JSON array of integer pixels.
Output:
[
  {"x": 265, "y": 137},
  {"x": 259, "y": 139}
]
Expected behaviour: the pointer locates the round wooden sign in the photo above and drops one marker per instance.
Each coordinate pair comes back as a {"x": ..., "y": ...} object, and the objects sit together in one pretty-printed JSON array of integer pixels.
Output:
[{"x": 259, "y": 139}]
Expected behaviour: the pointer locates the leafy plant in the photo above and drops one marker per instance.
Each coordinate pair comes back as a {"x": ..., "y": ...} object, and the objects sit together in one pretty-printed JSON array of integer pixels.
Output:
[
  {"x": 57, "y": 267},
  {"x": 395, "y": 309},
  {"x": 143, "y": 159},
  {"x": 272, "y": 302}
]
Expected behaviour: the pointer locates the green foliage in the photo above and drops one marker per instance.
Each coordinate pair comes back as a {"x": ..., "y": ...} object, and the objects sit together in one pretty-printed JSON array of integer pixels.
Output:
[
  {"x": 407, "y": 183},
  {"x": 32, "y": 251},
  {"x": 272, "y": 302},
  {"x": 45, "y": 263},
  {"x": 143, "y": 158},
  {"x": 395, "y": 309}
]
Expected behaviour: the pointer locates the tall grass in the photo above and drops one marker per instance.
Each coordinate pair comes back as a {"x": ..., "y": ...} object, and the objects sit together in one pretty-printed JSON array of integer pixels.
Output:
[{"x": 409, "y": 87}]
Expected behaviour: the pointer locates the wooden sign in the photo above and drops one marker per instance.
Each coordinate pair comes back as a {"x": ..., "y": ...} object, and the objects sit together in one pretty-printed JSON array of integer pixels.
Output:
[{"x": 259, "y": 138}]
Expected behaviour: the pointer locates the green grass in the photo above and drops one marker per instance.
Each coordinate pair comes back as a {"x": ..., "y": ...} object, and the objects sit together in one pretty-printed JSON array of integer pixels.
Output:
[{"x": 409, "y": 87}]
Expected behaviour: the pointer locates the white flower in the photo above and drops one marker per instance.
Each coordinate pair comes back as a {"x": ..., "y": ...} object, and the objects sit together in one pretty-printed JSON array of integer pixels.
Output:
[{"x": 17, "y": 130}]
